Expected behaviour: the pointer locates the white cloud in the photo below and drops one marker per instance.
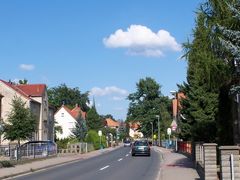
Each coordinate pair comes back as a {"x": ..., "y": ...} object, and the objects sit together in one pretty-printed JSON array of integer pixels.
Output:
[
  {"x": 26, "y": 67},
  {"x": 140, "y": 40},
  {"x": 90, "y": 104},
  {"x": 96, "y": 91}
]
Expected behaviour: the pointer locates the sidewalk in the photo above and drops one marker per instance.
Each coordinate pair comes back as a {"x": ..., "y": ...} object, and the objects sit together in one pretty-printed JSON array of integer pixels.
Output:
[
  {"x": 51, "y": 162},
  {"x": 176, "y": 166}
]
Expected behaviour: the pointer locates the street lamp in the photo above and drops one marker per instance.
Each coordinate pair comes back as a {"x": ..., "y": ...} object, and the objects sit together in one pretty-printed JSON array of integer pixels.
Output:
[
  {"x": 157, "y": 116},
  {"x": 152, "y": 132}
]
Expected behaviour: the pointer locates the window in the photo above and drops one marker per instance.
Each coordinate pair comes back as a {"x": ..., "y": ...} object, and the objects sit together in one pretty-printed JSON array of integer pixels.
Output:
[{"x": 62, "y": 114}]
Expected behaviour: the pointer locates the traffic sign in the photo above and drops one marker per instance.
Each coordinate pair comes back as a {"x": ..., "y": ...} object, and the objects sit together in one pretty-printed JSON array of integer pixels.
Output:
[
  {"x": 169, "y": 131},
  {"x": 100, "y": 133}
]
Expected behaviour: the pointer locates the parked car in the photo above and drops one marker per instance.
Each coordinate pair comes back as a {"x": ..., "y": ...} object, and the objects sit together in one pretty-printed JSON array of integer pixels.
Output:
[
  {"x": 127, "y": 143},
  {"x": 141, "y": 147}
]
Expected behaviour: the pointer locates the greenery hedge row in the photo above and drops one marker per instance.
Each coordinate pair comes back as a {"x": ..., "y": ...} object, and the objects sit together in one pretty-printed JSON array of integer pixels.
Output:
[{"x": 5, "y": 164}]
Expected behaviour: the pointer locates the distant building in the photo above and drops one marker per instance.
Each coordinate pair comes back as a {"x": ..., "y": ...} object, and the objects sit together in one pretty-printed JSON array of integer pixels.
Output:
[
  {"x": 111, "y": 123},
  {"x": 66, "y": 118},
  {"x": 134, "y": 130},
  {"x": 35, "y": 96}
]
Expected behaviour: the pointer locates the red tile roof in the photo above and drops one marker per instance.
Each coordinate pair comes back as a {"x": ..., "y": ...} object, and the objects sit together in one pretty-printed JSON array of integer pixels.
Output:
[
  {"x": 111, "y": 123},
  {"x": 15, "y": 88},
  {"x": 74, "y": 112},
  {"x": 32, "y": 89}
]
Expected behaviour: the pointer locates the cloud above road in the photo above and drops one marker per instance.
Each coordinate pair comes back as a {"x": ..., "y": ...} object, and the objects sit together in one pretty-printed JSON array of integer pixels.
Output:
[
  {"x": 27, "y": 67},
  {"x": 140, "y": 40},
  {"x": 109, "y": 90}
]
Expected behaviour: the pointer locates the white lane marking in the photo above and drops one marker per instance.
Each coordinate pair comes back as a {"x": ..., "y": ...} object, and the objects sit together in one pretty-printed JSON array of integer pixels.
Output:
[
  {"x": 120, "y": 159},
  {"x": 127, "y": 155},
  {"x": 105, "y": 167}
]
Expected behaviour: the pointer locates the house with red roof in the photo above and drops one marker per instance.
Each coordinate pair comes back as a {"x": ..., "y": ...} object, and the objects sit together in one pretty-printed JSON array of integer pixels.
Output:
[
  {"x": 66, "y": 118},
  {"x": 35, "y": 96},
  {"x": 111, "y": 123},
  {"x": 134, "y": 130}
]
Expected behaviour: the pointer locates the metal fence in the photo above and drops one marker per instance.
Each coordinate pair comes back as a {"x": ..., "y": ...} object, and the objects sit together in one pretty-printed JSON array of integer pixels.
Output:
[{"x": 31, "y": 149}]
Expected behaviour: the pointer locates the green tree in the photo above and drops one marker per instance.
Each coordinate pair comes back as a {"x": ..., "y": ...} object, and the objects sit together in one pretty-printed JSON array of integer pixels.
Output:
[
  {"x": 80, "y": 130},
  {"x": 223, "y": 17},
  {"x": 57, "y": 129},
  {"x": 21, "y": 123},
  {"x": 146, "y": 103},
  {"x": 205, "y": 77},
  {"x": 94, "y": 121},
  {"x": 24, "y": 81},
  {"x": 62, "y": 94}
]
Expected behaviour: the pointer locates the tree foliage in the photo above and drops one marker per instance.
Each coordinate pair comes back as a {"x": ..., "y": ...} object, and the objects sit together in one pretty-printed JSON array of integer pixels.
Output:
[
  {"x": 94, "y": 120},
  {"x": 210, "y": 59},
  {"x": 62, "y": 94},
  {"x": 146, "y": 103},
  {"x": 21, "y": 123},
  {"x": 80, "y": 130}
]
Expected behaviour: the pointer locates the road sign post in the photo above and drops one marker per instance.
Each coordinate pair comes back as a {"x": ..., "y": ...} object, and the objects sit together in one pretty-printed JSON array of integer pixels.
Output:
[
  {"x": 100, "y": 136},
  {"x": 169, "y": 131}
]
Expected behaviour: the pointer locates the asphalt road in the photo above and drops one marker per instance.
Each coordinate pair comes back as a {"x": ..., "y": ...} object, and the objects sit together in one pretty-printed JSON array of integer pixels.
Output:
[{"x": 115, "y": 165}]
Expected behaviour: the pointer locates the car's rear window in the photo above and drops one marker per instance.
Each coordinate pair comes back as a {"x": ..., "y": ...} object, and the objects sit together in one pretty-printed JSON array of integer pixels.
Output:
[{"x": 140, "y": 143}]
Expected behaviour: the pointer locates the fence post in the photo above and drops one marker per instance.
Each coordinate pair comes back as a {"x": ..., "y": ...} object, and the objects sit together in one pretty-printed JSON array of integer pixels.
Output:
[
  {"x": 225, "y": 162},
  {"x": 197, "y": 152},
  {"x": 210, "y": 161}
]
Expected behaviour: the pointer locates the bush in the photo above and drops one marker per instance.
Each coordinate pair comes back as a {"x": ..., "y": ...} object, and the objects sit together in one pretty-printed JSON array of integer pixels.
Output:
[
  {"x": 6, "y": 164},
  {"x": 92, "y": 137},
  {"x": 62, "y": 143}
]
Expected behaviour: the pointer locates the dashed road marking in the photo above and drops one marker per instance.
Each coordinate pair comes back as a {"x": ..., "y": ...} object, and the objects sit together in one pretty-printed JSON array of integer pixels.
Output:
[
  {"x": 105, "y": 167},
  {"x": 127, "y": 155},
  {"x": 120, "y": 159}
]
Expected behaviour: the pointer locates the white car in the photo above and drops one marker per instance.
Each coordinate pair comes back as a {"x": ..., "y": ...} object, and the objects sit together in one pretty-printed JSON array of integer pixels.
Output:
[{"x": 127, "y": 143}]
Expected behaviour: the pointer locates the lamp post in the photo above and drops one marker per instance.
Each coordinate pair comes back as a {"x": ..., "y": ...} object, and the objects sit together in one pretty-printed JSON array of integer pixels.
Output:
[
  {"x": 152, "y": 132},
  {"x": 159, "y": 139}
]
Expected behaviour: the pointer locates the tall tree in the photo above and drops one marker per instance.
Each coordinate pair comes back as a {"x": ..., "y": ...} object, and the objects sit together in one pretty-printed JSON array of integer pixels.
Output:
[
  {"x": 94, "y": 121},
  {"x": 80, "y": 130},
  {"x": 223, "y": 17},
  {"x": 146, "y": 103},
  {"x": 21, "y": 123},
  {"x": 68, "y": 96},
  {"x": 205, "y": 76}
]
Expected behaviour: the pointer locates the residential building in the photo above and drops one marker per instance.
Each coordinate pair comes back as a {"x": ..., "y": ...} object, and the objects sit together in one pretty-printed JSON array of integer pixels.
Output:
[
  {"x": 66, "y": 119},
  {"x": 134, "y": 130},
  {"x": 111, "y": 123},
  {"x": 35, "y": 96}
]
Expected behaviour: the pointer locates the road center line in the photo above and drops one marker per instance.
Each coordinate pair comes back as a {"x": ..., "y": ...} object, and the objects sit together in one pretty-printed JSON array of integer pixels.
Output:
[
  {"x": 105, "y": 167},
  {"x": 127, "y": 155},
  {"x": 120, "y": 159}
]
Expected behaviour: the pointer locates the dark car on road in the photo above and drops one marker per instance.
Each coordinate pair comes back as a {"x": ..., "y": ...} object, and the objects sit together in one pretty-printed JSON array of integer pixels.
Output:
[{"x": 141, "y": 147}]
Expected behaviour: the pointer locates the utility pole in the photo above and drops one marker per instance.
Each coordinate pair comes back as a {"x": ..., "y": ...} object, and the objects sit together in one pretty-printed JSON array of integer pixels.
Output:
[
  {"x": 159, "y": 139},
  {"x": 152, "y": 132}
]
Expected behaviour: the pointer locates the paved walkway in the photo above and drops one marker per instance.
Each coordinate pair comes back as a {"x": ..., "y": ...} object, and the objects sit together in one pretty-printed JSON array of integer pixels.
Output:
[
  {"x": 46, "y": 163},
  {"x": 176, "y": 166}
]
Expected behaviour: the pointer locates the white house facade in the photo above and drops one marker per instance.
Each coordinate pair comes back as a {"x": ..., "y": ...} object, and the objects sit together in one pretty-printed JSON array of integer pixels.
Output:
[{"x": 66, "y": 119}]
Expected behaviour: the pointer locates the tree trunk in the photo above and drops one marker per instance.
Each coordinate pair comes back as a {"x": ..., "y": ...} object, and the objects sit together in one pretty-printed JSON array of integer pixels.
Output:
[{"x": 18, "y": 150}]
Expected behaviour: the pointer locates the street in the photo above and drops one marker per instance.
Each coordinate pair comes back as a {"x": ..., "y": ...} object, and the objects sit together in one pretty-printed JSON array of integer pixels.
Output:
[{"x": 117, "y": 165}]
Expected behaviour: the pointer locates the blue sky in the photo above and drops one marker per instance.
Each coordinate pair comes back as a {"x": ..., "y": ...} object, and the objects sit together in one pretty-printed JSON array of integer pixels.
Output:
[{"x": 104, "y": 47}]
